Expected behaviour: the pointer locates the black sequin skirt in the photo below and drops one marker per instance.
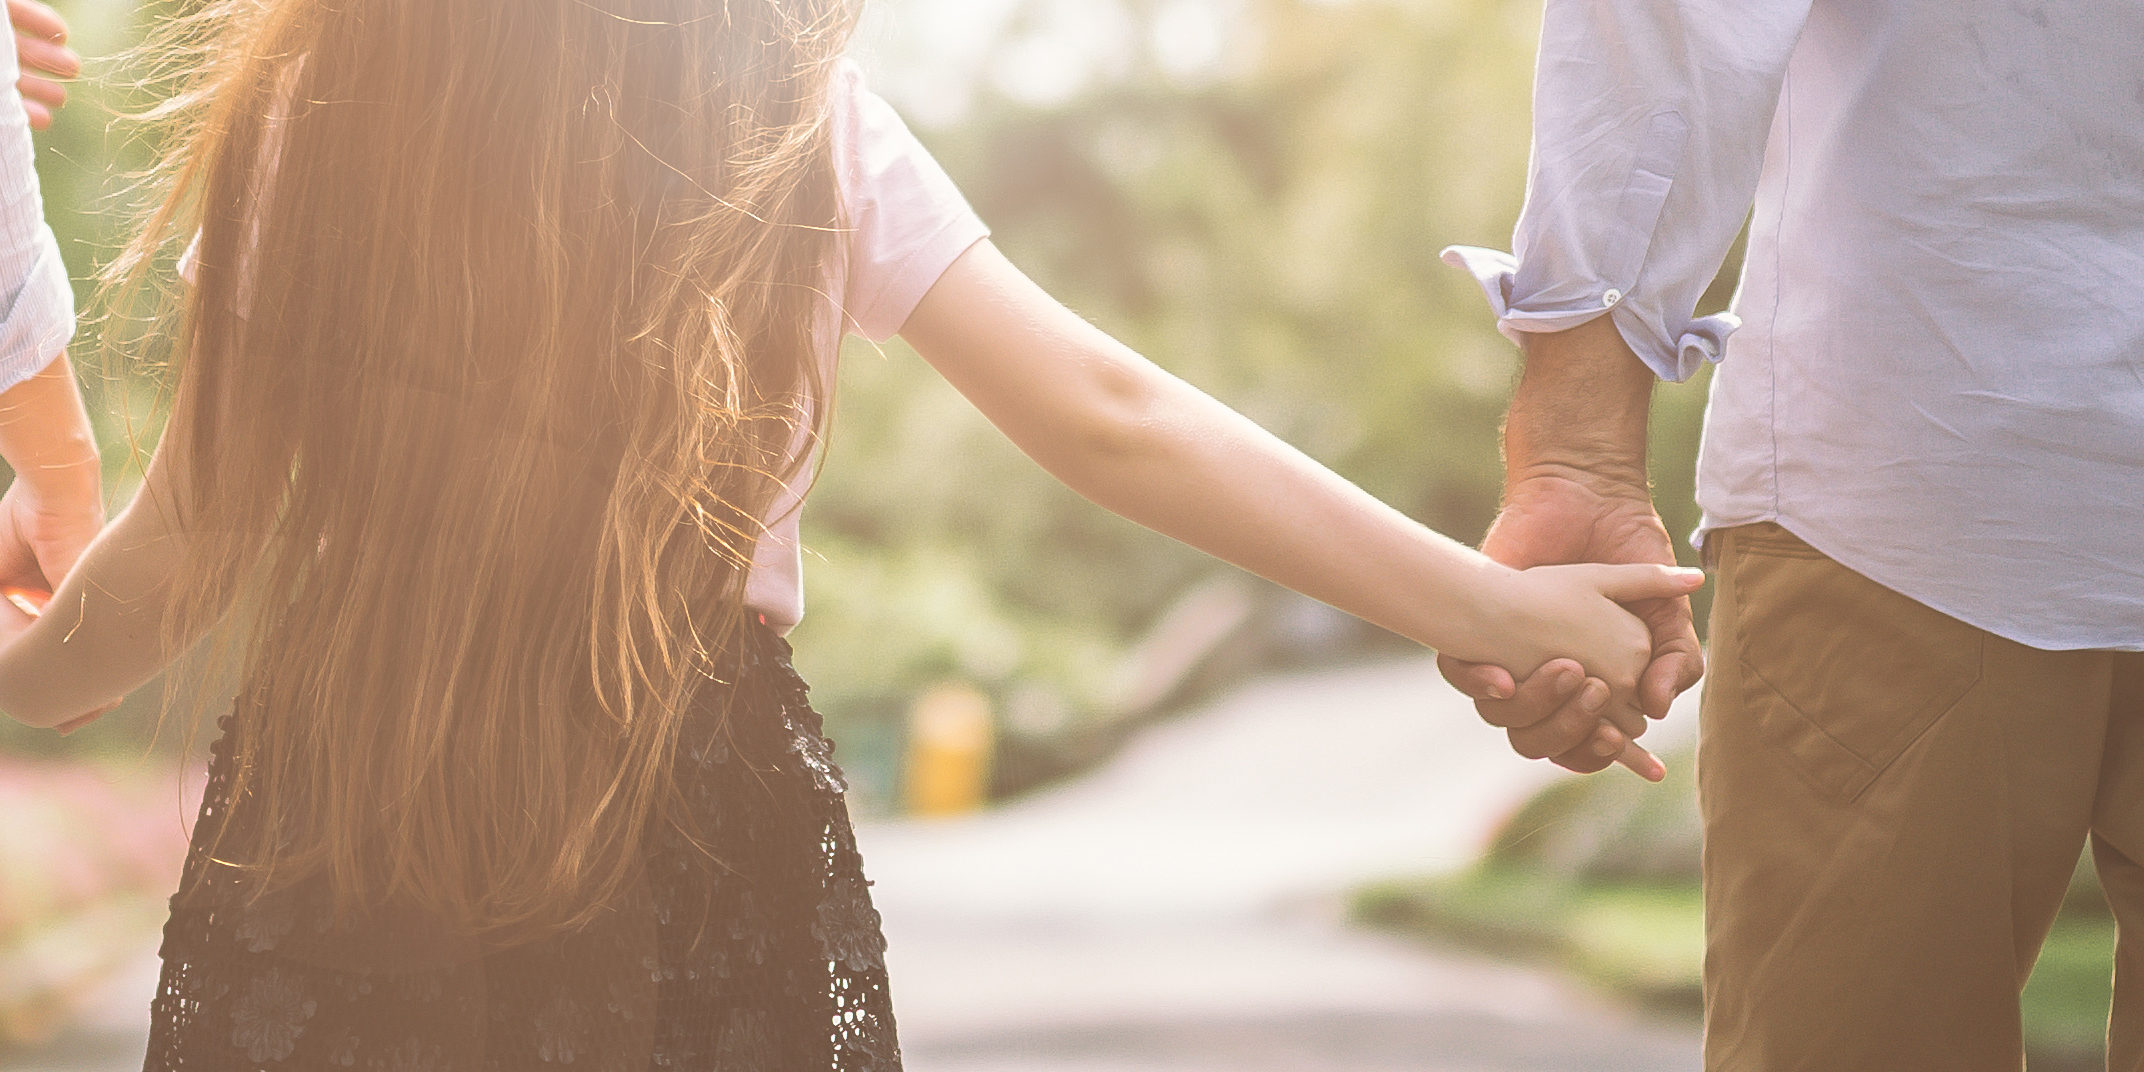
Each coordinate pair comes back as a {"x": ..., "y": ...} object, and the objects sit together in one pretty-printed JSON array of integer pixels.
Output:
[{"x": 771, "y": 961}]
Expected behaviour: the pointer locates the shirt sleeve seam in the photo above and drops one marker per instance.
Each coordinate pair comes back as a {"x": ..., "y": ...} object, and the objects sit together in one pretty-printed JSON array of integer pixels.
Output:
[{"x": 870, "y": 315}]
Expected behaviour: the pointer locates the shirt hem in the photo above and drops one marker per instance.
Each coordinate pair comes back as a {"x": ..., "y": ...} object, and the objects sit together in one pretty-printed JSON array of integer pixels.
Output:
[{"x": 2029, "y": 638}]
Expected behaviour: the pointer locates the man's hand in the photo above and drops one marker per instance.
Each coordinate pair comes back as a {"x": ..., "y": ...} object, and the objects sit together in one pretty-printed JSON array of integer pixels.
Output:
[
  {"x": 1576, "y": 491},
  {"x": 46, "y": 61},
  {"x": 42, "y": 533},
  {"x": 1550, "y": 519}
]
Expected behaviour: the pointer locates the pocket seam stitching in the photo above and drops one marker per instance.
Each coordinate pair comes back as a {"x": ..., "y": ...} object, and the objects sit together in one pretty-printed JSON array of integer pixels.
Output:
[{"x": 1941, "y": 708}]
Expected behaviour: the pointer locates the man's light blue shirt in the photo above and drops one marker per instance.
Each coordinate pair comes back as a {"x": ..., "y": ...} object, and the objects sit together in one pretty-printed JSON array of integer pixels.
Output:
[{"x": 1934, "y": 367}]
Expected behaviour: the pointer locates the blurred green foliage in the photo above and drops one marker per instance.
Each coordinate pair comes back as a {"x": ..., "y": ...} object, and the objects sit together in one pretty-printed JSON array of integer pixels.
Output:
[
  {"x": 87, "y": 164},
  {"x": 1269, "y": 231},
  {"x": 1266, "y": 226}
]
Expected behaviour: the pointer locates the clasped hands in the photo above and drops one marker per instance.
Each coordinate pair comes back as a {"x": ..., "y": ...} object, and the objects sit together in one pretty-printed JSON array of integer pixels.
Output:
[{"x": 1584, "y": 723}]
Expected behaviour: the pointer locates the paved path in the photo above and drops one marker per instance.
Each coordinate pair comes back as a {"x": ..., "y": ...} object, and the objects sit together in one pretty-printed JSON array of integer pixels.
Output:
[{"x": 1179, "y": 910}]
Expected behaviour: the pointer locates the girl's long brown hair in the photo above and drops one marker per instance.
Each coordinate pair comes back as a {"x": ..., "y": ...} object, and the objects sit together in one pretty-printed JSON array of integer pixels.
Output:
[{"x": 502, "y": 340}]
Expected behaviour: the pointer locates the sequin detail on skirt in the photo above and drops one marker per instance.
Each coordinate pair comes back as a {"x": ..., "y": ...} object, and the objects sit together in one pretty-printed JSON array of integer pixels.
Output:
[{"x": 771, "y": 962}]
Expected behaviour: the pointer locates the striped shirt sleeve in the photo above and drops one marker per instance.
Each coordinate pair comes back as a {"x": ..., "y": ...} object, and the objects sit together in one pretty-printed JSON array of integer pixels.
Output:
[{"x": 36, "y": 296}]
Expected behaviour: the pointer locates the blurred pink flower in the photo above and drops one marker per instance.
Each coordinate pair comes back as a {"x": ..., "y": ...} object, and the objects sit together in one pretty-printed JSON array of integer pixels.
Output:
[{"x": 80, "y": 839}]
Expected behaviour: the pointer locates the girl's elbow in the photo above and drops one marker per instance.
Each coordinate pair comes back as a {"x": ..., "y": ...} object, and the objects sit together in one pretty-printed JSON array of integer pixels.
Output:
[
  {"x": 26, "y": 704},
  {"x": 63, "y": 723},
  {"x": 1120, "y": 420},
  {"x": 30, "y": 716}
]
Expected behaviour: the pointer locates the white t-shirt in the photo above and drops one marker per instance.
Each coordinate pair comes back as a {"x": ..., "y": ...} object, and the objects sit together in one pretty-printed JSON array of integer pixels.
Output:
[{"x": 907, "y": 223}]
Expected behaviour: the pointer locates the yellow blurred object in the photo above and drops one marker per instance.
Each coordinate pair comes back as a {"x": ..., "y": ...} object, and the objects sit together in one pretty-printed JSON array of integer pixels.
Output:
[{"x": 951, "y": 737}]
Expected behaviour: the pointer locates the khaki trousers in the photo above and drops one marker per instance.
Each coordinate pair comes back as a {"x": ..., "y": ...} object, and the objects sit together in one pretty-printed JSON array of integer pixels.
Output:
[{"x": 1894, "y": 802}]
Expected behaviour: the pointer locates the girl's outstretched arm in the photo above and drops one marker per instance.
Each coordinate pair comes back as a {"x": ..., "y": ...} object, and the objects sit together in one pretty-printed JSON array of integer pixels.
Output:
[
  {"x": 102, "y": 635},
  {"x": 1144, "y": 444}
]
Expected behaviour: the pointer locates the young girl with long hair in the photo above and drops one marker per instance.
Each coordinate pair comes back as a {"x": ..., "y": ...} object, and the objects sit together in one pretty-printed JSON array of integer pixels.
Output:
[{"x": 497, "y": 392}]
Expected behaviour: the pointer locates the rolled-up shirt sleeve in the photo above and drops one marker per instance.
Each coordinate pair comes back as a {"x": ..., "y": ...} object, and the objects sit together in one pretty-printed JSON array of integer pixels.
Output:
[
  {"x": 1650, "y": 121},
  {"x": 36, "y": 297}
]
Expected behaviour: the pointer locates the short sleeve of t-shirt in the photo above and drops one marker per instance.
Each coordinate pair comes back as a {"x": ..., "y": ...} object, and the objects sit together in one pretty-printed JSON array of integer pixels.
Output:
[
  {"x": 907, "y": 222},
  {"x": 271, "y": 150}
]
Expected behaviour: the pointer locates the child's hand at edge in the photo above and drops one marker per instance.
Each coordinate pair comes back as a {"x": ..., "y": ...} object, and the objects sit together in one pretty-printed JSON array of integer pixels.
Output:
[
  {"x": 44, "y": 59},
  {"x": 1575, "y": 612}
]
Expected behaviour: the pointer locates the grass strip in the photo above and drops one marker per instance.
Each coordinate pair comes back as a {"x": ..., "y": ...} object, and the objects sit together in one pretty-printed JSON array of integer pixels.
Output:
[{"x": 1644, "y": 941}]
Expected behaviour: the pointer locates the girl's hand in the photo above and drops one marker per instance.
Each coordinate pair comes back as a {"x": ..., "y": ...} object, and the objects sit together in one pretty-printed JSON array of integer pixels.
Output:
[
  {"x": 1577, "y": 612},
  {"x": 1544, "y": 618},
  {"x": 44, "y": 58},
  {"x": 69, "y": 728}
]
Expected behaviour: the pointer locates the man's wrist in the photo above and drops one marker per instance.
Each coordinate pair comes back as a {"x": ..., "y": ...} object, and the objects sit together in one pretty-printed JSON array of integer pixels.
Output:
[
  {"x": 1581, "y": 410},
  {"x": 45, "y": 435},
  {"x": 1607, "y": 477},
  {"x": 64, "y": 473}
]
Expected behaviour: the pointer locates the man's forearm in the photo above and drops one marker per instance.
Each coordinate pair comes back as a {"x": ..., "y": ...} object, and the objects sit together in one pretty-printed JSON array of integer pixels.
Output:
[
  {"x": 46, "y": 437},
  {"x": 1581, "y": 409}
]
